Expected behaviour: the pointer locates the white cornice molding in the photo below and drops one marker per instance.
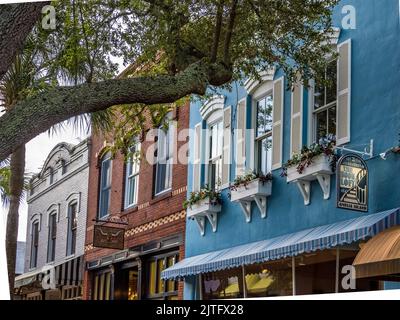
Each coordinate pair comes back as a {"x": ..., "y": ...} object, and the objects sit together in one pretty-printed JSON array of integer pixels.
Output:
[
  {"x": 217, "y": 102},
  {"x": 252, "y": 84}
]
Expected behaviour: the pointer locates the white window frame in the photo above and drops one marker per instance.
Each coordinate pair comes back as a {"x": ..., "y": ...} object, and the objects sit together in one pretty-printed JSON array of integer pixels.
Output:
[
  {"x": 215, "y": 119},
  {"x": 69, "y": 230},
  {"x": 169, "y": 156},
  {"x": 33, "y": 223},
  {"x": 105, "y": 157},
  {"x": 314, "y": 112},
  {"x": 135, "y": 176},
  {"x": 266, "y": 91},
  {"x": 54, "y": 214}
]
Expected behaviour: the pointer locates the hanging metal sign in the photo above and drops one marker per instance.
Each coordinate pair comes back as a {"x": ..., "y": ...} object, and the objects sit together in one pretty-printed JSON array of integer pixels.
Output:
[
  {"x": 108, "y": 237},
  {"x": 352, "y": 183}
]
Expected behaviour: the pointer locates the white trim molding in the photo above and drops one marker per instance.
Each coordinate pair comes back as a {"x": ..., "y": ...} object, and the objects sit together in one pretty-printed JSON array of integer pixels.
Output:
[
  {"x": 73, "y": 197},
  {"x": 53, "y": 207},
  {"x": 216, "y": 102},
  {"x": 252, "y": 84}
]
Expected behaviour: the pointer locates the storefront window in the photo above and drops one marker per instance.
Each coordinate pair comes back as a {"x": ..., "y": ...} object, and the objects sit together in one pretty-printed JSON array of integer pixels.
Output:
[
  {"x": 261, "y": 280},
  {"x": 102, "y": 286},
  {"x": 133, "y": 285},
  {"x": 156, "y": 287},
  {"x": 225, "y": 284},
  {"x": 269, "y": 280}
]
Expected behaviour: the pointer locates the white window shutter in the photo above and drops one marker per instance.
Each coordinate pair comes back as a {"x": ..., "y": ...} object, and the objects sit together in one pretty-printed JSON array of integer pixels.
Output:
[
  {"x": 197, "y": 158},
  {"x": 241, "y": 138},
  {"x": 226, "y": 150},
  {"x": 343, "y": 110},
  {"x": 296, "y": 127},
  {"x": 277, "y": 123}
]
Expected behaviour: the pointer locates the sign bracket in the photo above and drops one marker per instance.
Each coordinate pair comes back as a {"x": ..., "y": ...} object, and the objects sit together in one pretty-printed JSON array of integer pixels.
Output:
[{"x": 368, "y": 150}]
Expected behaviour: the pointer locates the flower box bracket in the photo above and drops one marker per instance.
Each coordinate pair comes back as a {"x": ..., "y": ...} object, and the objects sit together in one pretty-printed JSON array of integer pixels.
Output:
[
  {"x": 201, "y": 222},
  {"x": 256, "y": 191},
  {"x": 202, "y": 211},
  {"x": 304, "y": 186}
]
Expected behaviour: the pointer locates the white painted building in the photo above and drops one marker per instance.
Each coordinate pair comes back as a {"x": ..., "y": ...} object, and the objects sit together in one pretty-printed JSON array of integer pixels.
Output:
[{"x": 57, "y": 211}]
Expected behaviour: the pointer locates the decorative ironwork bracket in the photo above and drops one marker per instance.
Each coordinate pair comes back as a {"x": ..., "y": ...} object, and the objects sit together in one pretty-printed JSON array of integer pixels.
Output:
[{"x": 368, "y": 151}]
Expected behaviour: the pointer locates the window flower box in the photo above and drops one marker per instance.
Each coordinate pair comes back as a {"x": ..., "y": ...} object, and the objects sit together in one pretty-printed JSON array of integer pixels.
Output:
[
  {"x": 320, "y": 165},
  {"x": 316, "y": 162},
  {"x": 319, "y": 169}
]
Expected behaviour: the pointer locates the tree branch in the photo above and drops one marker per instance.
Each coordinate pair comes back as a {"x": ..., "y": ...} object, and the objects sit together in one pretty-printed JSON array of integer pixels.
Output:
[
  {"x": 16, "y": 21},
  {"x": 229, "y": 32},
  {"x": 37, "y": 114},
  {"x": 217, "y": 32}
]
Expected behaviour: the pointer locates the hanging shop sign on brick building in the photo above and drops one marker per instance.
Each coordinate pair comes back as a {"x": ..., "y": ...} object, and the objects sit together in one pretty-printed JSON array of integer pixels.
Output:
[{"x": 108, "y": 237}]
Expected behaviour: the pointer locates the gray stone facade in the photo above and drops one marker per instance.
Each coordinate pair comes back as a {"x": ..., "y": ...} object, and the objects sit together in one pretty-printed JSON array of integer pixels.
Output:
[{"x": 62, "y": 181}]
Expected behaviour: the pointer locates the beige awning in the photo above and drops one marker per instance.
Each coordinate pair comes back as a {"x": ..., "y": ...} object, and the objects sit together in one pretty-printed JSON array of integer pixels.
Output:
[{"x": 380, "y": 255}]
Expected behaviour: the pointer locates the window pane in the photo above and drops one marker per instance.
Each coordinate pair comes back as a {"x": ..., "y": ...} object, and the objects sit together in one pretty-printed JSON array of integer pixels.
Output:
[
  {"x": 104, "y": 204},
  {"x": 264, "y": 155},
  {"x": 171, "y": 284},
  {"x": 264, "y": 115},
  {"x": 133, "y": 285},
  {"x": 96, "y": 287},
  {"x": 130, "y": 193},
  {"x": 223, "y": 285},
  {"x": 160, "y": 282},
  {"x": 321, "y": 125},
  {"x": 105, "y": 186},
  {"x": 101, "y": 287},
  {"x": 266, "y": 280},
  {"x": 332, "y": 120},
  {"x": 331, "y": 76},
  {"x": 161, "y": 173},
  {"x": 152, "y": 272},
  {"x": 107, "y": 293},
  {"x": 72, "y": 224},
  {"x": 319, "y": 96}
]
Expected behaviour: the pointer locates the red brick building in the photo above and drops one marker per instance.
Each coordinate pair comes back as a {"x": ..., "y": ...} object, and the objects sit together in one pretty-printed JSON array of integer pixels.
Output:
[{"x": 149, "y": 198}]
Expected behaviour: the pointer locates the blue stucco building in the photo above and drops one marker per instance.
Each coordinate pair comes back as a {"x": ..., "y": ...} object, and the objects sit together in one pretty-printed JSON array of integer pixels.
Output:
[{"x": 305, "y": 241}]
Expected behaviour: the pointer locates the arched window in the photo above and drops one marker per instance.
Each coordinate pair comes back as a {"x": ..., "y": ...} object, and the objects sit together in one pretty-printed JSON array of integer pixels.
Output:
[
  {"x": 72, "y": 227},
  {"x": 52, "y": 236},
  {"x": 34, "y": 243},
  {"x": 105, "y": 185}
]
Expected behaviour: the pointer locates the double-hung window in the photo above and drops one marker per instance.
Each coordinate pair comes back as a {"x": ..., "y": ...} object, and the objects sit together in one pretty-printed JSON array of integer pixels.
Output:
[
  {"x": 263, "y": 134},
  {"x": 324, "y": 108},
  {"x": 72, "y": 226},
  {"x": 51, "y": 246},
  {"x": 105, "y": 185},
  {"x": 215, "y": 154},
  {"x": 132, "y": 177},
  {"x": 34, "y": 244},
  {"x": 164, "y": 160}
]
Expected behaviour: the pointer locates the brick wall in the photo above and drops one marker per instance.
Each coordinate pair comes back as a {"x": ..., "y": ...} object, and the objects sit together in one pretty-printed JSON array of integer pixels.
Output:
[{"x": 155, "y": 217}]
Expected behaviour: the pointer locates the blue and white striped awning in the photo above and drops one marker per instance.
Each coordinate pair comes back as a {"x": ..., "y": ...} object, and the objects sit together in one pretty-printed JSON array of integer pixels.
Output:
[{"x": 309, "y": 240}]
